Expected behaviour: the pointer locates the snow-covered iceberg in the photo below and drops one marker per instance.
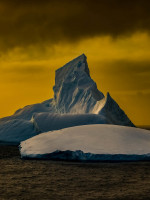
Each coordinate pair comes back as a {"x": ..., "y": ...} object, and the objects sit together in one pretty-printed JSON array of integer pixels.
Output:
[
  {"x": 89, "y": 142},
  {"x": 47, "y": 121},
  {"x": 75, "y": 93},
  {"x": 16, "y": 130}
]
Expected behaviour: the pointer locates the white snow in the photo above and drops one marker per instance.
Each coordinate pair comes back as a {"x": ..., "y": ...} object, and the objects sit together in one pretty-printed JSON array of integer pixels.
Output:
[
  {"x": 27, "y": 111},
  {"x": 100, "y": 140}
]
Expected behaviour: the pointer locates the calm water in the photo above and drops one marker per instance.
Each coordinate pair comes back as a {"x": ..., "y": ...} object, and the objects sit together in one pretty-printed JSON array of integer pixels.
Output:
[{"x": 32, "y": 179}]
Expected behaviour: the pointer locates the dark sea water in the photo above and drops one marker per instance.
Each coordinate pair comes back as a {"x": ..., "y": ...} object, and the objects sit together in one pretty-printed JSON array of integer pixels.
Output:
[{"x": 38, "y": 180}]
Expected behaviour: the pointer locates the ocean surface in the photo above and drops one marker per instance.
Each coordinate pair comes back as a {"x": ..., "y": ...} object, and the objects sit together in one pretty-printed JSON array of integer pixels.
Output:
[{"x": 36, "y": 179}]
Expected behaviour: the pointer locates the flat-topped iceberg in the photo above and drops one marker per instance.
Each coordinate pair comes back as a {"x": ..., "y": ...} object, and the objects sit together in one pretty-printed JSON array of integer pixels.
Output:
[{"x": 89, "y": 142}]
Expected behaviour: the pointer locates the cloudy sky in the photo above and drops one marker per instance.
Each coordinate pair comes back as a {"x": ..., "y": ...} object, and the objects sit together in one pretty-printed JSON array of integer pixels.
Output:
[{"x": 37, "y": 37}]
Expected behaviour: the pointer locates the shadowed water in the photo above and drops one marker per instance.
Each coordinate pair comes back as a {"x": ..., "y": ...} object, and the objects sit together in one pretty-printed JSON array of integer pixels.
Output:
[{"x": 35, "y": 179}]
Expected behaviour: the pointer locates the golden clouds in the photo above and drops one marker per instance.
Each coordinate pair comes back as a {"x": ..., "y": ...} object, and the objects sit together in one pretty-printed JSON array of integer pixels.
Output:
[
  {"x": 37, "y": 37},
  {"x": 120, "y": 66}
]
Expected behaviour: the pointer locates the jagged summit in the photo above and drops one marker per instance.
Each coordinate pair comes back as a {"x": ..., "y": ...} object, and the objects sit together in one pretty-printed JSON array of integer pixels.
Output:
[
  {"x": 74, "y": 90},
  {"x": 75, "y": 93},
  {"x": 70, "y": 67},
  {"x": 82, "y": 58}
]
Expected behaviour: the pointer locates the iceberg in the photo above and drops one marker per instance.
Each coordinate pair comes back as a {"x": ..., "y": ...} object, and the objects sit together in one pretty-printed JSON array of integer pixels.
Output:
[
  {"x": 76, "y": 101},
  {"x": 99, "y": 142},
  {"x": 16, "y": 130},
  {"x": 47, "y": 122}
]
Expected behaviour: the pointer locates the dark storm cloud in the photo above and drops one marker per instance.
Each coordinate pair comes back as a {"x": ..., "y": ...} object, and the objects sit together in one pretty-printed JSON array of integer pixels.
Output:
[{"x": 27, "y": 22}]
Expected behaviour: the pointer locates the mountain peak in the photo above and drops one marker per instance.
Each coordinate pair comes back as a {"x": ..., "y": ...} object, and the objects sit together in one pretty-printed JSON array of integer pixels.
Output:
[
  {"x": 74, "y": 87},
  {"x": 82, "y": 56},
  {"x": 78, "y": 63}
]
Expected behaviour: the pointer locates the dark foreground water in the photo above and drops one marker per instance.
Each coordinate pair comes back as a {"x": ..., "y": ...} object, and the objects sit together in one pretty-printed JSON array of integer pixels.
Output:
[{"x": 38, "y": 180}]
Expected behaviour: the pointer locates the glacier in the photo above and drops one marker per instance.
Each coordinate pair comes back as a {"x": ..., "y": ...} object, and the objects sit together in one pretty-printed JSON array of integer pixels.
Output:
[
  {"x": 76, "y": 101},
  {"x": 97, "y": 142}
]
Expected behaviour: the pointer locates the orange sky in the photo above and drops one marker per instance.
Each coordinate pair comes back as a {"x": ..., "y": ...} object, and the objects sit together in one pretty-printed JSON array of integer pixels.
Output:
[{"x": 118, "y": 55}]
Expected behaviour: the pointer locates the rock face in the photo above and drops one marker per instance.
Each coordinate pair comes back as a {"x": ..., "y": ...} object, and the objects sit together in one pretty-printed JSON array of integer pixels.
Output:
[{"x": 74, "y": 93}]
